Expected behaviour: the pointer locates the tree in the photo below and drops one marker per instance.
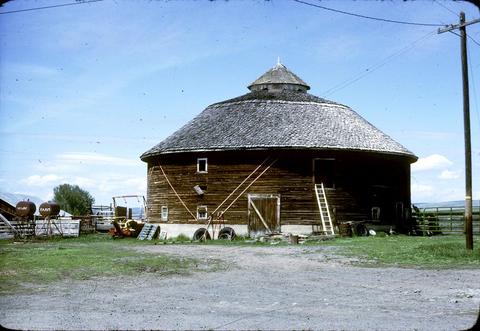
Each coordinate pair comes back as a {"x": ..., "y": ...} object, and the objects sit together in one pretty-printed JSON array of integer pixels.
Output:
[{"x": 73, "y": 199}]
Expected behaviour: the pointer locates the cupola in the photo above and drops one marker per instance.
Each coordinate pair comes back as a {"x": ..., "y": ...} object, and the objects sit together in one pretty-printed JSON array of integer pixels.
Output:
[{"x": 279, "y": 79}]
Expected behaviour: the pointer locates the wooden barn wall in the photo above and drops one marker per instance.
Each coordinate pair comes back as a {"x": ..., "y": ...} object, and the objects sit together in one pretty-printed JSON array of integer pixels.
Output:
[
  {"x": 362, "y": 180},
  {"x": 7, "y": 210}
]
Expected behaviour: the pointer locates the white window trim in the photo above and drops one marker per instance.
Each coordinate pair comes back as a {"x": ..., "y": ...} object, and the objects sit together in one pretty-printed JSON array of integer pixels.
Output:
[
  {"x": 206, "y": 213},
  {"x": 164, "y": 213},
  {"x": 206, "y": 165}
]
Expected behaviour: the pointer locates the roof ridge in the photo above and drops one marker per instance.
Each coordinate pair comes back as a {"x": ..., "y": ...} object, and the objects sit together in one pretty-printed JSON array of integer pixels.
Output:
[
  {"x": 278, "y": 96},
  {"x": 222, "y": 103}
]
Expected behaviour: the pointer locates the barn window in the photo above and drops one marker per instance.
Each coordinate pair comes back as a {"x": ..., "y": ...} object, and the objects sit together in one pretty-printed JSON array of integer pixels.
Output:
[
  {"x": 202, "y": 213},
  {"x": 202, "y": 165},
  {"x": 164, "y": 213}
]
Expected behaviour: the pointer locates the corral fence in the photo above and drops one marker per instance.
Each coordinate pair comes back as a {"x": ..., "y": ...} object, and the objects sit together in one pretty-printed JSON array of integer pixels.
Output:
[
  {"x": 444, "y": 220},
  {"x": 65, "y": 226}
]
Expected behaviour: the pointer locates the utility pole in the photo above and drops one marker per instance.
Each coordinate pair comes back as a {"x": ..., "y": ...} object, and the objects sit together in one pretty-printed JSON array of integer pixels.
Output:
[{"x": 466, "y": 123}]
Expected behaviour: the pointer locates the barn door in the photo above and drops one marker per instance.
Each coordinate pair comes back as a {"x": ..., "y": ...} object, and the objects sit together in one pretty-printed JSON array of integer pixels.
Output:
[{"x": 263, "y": 213}]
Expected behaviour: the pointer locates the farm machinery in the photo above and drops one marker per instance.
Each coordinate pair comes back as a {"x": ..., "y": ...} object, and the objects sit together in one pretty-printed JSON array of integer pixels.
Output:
[{"x": 125, "y": 218}]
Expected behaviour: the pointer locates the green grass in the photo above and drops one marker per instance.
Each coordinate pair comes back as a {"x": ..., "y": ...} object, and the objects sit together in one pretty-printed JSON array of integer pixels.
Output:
[
  {"x": 27, "y": 263},
  {"x": 86, "y": 257},
  {"x": 427, "y": 252},
  {"x": 237, "y": 241}
]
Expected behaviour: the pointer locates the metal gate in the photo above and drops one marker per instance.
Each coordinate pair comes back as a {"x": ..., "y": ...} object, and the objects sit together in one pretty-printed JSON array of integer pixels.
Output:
[{"x": 263, "y": 214}]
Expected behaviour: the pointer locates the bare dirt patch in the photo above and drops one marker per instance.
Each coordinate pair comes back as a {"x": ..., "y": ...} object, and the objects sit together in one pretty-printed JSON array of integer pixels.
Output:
[{"x": 289, "y": 287}]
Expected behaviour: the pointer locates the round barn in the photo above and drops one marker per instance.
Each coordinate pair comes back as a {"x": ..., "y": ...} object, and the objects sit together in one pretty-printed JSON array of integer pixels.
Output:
[{"x": 278, "y": 159}]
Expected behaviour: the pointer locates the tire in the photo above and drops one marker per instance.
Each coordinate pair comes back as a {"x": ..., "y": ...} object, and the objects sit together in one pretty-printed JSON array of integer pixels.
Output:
[
  {"x": 361, "y": 230},
  {"x": 201, "y": 234},
  {"x": 227, "y": 233}
]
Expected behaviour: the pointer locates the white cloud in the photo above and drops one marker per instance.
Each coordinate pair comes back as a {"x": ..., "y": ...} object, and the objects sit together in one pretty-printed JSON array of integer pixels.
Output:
[
  {"x": 102, "y": 186},
  {"x": 422, "y": 190},
  {"x": 97, "y": 159},
  {"x": 37, "y": 180},
  {"x": 83, "y": 182},
  {"x": 103, "y": 175},
  {"x": 431, "y": 162},
  {"x": 74, "y": 162},
  {"x": 139, "y": 183},
  {"x": 447, "y": 174},
  {"x": 122, "y": 185}
]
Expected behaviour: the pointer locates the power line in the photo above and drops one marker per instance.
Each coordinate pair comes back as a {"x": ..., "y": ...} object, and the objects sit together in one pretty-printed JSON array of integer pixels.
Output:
[
  {"x": 48, "y": 7},
  {"x": 476, "y": 42},
  {"x": 445, "y": 7},
  {"x": 371, "y": 69},
  {"x": 468, "y": 36},
  {"x": 364, "y": 16}
]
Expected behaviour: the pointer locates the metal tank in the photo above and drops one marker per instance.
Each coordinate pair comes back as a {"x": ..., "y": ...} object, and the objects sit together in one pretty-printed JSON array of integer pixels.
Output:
[
  {"x": 25, "y": 209},
  {"x": 49, "y": 209}
]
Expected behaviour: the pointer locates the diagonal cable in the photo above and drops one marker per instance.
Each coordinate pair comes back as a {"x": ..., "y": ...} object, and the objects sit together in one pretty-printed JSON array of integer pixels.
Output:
[{"x": 365, "y": 16}]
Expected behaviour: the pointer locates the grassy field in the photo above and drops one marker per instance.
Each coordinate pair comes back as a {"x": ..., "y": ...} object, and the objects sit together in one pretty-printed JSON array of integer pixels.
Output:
[
  {"x": 424, "y": 252},
  {"x": 85, "y": 257},
  {"x": 90, "y": 256}
]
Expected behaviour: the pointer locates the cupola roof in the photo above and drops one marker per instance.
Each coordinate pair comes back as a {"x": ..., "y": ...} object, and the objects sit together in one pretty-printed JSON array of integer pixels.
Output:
[{"x": 279, "y": 78}]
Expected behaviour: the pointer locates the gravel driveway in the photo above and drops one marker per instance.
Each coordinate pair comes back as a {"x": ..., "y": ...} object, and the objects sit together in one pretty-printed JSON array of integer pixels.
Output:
[{"x": 288, "y": 287}]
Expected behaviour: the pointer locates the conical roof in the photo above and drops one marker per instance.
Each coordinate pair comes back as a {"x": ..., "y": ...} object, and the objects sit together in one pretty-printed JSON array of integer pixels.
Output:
[
  {"x": 281, "y": 119},
  {"x": 279, "y": 74}
]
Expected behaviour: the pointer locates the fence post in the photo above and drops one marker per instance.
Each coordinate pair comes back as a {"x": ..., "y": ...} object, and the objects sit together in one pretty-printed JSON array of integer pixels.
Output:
[{"x": 451, "y": 221}]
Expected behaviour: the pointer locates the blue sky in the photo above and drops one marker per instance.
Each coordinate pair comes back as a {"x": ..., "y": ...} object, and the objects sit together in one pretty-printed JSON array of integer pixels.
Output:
[{"x": 86, "y": 89}]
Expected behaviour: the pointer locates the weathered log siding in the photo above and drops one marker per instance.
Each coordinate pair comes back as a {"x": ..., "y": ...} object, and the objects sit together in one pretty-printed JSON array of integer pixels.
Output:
[{"x": 359, "y": 178}]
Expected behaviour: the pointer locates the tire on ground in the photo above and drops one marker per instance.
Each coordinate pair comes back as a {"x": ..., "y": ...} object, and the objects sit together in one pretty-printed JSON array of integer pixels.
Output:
[
  {"x": 201, "y": 234},
  {"x": 227, "y": 233},
  {"x": 361, "y": 230}
]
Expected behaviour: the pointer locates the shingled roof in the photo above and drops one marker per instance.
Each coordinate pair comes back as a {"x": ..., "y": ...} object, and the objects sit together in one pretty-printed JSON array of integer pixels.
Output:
[
  {"x": 272, "y": 119},
  {"x": 278, "y": 75}
]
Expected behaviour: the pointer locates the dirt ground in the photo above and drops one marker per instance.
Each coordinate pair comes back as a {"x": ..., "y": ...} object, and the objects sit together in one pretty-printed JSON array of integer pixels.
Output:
[{"x": 281, "y": 288}]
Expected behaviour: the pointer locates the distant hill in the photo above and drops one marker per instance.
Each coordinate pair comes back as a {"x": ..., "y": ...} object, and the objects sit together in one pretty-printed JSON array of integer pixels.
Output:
[
  {"x": 14, "y": 198},
  {"x": 448, "y": 204}
]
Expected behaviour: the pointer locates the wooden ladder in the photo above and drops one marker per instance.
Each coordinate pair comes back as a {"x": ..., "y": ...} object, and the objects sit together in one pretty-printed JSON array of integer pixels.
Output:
[{"x": 323, "y": 208}]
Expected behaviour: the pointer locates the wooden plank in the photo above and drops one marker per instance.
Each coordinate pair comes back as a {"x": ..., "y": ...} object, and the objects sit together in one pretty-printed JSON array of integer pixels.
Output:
[
  {"x": 7, "y": 222},
  {"x": 260, "y": 216},
  {"x": 63, "y": 227}
]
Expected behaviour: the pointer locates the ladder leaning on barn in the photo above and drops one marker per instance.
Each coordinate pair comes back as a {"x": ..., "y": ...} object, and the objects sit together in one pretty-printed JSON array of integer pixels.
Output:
[{"x": 323, "y": 208}]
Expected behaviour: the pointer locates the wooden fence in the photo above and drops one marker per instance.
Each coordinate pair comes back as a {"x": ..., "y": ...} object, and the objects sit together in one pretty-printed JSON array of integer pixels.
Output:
[
  {"x": 66, "y": 227},
  {"x": 445, "y": 220}
]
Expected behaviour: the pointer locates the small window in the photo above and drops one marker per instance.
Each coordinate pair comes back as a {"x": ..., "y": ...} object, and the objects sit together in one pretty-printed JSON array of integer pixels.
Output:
[
  {"x": 202, "y": 213},
  {"x": 164, "y": 213},
  {"x": 202, "y": 165}
]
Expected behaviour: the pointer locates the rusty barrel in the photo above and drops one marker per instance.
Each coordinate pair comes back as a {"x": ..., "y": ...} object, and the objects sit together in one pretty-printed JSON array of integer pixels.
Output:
[
  {"x": 25, "y": 209},
  {"x": 49, "y": 209}
]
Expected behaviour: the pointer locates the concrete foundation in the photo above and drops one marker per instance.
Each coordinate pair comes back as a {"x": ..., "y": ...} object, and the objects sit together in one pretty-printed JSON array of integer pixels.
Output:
[{"x": 173, "y": 230}]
